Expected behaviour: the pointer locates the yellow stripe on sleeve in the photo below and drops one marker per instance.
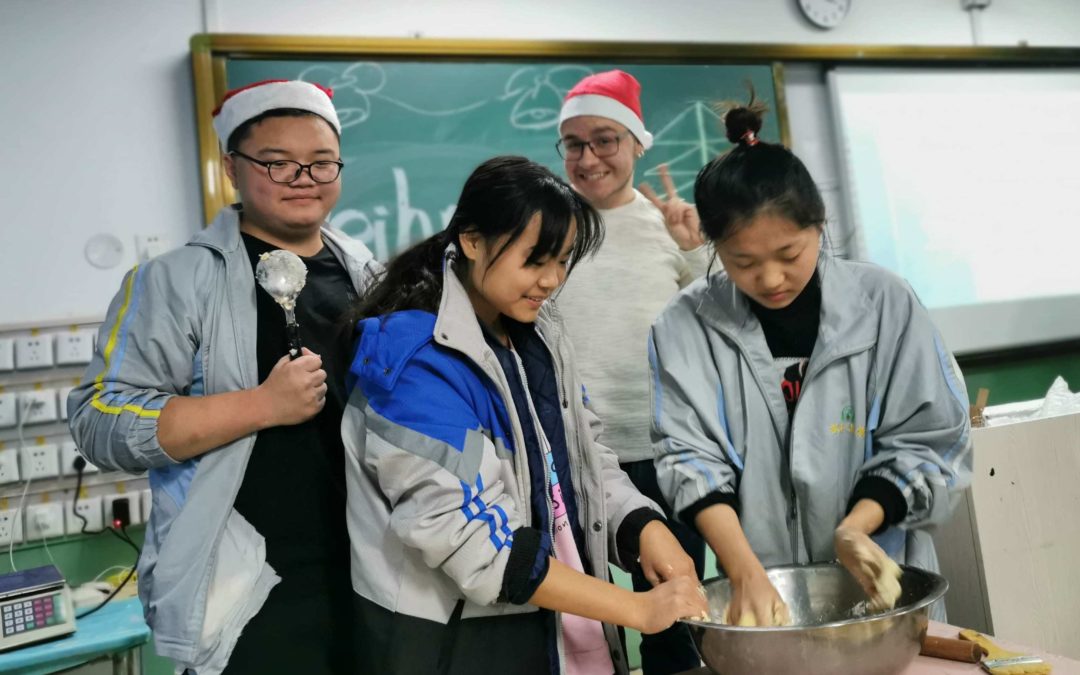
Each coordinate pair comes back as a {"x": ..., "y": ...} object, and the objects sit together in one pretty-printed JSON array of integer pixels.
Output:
[{"x": 110, "y": 345}]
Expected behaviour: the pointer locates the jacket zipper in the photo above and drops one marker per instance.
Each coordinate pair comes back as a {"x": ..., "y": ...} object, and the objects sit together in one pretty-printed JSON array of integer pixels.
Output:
[
  {"x": 544, "y": 449},
  {"x": 557, "y": 364},
  {"x": 494, "y": 371},
  {"x": 793, "y": 511},
  {"x": 576, "y": 468},
  {"x": 811, "y": 372}
]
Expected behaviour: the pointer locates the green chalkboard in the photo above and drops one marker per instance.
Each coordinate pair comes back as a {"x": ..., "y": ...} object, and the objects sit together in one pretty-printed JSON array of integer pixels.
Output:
[
  {"x": 418, "y": 116},
  {"x": 412, "y": 132}
]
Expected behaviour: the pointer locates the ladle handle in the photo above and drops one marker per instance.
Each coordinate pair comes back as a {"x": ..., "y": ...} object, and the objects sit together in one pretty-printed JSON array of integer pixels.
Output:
[{"x": 292, "y": 332}]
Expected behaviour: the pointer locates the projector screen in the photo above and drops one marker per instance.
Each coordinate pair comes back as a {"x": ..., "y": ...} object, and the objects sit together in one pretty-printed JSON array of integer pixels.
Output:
[{"x": 967, "y": 183}]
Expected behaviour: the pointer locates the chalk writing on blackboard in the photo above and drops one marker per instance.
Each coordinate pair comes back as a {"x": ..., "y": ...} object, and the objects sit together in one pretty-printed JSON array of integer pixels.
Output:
[
  {"x": 691, "y": 139},
  {"x": 537, "y": 92}
]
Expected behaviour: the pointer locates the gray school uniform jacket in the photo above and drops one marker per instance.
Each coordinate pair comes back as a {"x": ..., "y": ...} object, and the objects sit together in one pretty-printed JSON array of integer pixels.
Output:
[
  {"x": 881, "y": 397},
  {"x": 183, "y": 324},
  {"x": 438, "y": 480}
]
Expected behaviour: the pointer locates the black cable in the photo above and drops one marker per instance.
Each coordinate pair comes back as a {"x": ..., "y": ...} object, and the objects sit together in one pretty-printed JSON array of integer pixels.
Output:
[
  {"x": 80, "y": 466},
  {"x": 127, "y": 539},
  {"x": 122, "y": 535}
]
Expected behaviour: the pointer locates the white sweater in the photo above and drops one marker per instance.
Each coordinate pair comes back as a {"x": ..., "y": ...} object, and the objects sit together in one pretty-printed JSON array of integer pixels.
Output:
[{"x": 610, "y": 302}]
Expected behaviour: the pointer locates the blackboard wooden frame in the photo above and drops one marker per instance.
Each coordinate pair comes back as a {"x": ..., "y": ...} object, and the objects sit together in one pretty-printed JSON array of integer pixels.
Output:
[{"x": 210, "y": 54}]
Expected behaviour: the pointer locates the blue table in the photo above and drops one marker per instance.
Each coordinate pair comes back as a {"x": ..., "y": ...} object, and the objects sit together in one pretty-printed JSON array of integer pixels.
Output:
[{"x": 117, "y": 630}]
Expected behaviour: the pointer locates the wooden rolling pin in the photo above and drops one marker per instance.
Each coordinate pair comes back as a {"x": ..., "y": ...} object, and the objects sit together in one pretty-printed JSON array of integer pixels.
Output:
[{"x": 952, "y": 649}]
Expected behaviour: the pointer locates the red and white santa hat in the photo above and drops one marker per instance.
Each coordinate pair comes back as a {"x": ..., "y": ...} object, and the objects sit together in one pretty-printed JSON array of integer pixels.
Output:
[
  {"x": 613, "y": 94},
  {"x": 240, "y": 105}
]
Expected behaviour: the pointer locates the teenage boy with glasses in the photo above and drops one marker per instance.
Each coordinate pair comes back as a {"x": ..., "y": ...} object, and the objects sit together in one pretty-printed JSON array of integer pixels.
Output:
[{"x": 191, "y": 381}]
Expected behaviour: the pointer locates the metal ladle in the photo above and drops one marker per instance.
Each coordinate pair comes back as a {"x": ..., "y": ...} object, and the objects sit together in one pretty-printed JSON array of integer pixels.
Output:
[{"x": 282, "y": 274}]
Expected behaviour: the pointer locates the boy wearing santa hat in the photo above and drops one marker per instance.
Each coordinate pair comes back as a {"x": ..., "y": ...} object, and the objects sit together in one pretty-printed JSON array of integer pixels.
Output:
[
  {"x": 191, "y": 381},
  {"x": 652, "y": 248}
]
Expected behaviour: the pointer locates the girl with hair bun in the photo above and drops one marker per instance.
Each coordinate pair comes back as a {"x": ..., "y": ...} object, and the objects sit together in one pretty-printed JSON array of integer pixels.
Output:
[{"x": 805, "y": 407}]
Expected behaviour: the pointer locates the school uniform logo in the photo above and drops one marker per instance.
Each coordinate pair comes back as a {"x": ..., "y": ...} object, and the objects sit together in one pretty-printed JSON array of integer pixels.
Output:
[{"x": 847, "y": 425}]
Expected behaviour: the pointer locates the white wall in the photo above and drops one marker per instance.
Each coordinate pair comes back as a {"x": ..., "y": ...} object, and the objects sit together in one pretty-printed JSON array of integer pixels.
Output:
[
  {"x": 926, "y": 22},
  {"x": 97, "y": 127},
  {"x": 97, "y": 136}
]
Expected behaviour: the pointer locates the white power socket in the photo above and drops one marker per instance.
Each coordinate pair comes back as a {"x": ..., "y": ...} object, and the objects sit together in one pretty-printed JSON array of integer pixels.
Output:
[
  {"x": 75, "y": 347},
  {"x": 68, "y": 453},
  {"x": 133, "y": 506},
  {"x": 34, "y": 351},
  {"x": 89, "y": 508},
  {"x": 10, "y": 527},
  {"x": 149, "y": 246},
  {"x": 45, "y": 520},
  {"x": 8, "y": 413},
  {"x": 7, "y": 354},
  {"x": 40, "y": 461},
  {"x": 39, "y": 406},
  {"x": 9, "y": 465},
  {"x": 61, "y": 400}
]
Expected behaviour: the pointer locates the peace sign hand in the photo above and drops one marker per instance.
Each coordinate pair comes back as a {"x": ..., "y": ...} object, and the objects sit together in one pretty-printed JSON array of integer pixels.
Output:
[{"x": 680, "y": 217}]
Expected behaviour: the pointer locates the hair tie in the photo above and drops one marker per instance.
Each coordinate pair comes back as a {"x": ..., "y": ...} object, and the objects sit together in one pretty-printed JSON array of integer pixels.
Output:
[{"x": 749, "y": 137}]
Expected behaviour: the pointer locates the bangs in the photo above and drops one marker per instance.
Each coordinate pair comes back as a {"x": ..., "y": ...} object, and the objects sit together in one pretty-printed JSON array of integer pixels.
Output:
[{"x": 560, "y": 209}]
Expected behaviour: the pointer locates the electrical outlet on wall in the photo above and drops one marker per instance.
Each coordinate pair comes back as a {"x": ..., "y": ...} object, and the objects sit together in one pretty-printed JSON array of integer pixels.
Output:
[
  {"x": 75, "y": 347},
  {"x": 61, "y": 400},
  {"x": 7, "y": 355},
  {"x": 40, "y": 461},
  {"x": 68, "y": 453},
  {"x": 133, "y": 506},
  {"x": 89, "y": 508},
  {"x": 9, "y": 465},
  {"x": 38, "y": 406},
  {"x": 8, "y": 410},
  {"x": 45, "y": 520},
  {"x": 10, "y": 527},
  {"x": 149, "y": 246},
  {"x": 34, "y": 351}
]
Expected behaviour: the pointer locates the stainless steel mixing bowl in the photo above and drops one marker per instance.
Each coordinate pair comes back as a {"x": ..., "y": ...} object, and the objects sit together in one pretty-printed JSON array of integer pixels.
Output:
[{"x": 831, "y": 634}]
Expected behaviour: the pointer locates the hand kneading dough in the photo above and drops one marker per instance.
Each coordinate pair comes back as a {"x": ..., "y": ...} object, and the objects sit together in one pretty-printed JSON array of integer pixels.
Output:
[
  {"x": 887, "y": 582},
  {"x": 887, "y": 585},
  {"x": 780, "y": 617}
]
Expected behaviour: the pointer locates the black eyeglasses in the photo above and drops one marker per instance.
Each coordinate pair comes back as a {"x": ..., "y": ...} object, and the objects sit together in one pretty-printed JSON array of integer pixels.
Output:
[
  {"x": 604, "y": 145},
  {"x": 286, "y": 170}
]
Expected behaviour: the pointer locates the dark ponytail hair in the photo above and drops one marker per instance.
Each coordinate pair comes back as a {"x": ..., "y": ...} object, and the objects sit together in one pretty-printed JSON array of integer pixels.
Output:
[
  {"x": 500, "y": 198},
  {"x": 753, "y": 178}
]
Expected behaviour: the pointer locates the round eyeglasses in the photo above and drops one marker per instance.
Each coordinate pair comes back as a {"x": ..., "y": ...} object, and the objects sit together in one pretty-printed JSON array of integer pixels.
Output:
[
  {"x": 287, "y": 171},
  {"x": 604, "y": 145}
]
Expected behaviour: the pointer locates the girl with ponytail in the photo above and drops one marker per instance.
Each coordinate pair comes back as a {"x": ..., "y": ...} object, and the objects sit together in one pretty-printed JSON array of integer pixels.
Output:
[{"x": 482, "y": 511}]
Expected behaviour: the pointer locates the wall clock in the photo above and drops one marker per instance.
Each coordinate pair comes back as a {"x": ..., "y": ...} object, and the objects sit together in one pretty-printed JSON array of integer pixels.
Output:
[{"x": 825, "y": 13}]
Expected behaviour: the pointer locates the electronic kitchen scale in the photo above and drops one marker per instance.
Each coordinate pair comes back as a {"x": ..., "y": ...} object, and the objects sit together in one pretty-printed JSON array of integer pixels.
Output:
[{"x": 35, "y": 605}]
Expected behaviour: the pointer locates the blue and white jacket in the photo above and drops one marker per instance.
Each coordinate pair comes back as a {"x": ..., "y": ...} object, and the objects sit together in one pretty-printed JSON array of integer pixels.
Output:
[{"x": 438, "y": 487}]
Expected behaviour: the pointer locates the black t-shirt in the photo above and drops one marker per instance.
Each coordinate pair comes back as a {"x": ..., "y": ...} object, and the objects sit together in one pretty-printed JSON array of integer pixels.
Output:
[
  {"x": 293, "y": 490},
  {"x": 791, "y": 333}
]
